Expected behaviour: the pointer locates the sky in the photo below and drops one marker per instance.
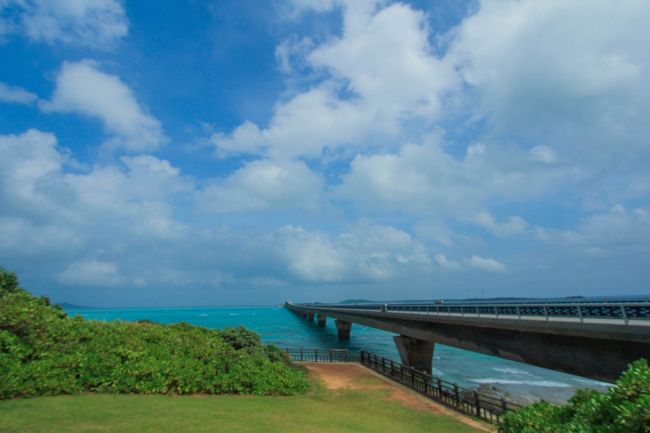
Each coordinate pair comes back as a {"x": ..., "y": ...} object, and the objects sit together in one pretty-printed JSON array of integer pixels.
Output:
[{"x": 190, "y": 153}]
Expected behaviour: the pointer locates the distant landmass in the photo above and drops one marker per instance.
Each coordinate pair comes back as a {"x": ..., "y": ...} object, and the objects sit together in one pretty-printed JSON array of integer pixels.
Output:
[{"x": 67, "y": 306}]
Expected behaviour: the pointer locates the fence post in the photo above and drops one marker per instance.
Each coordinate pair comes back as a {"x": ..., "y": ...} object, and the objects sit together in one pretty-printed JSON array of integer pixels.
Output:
[
  {"x": 315, "y": 355},
  {"x": 439, "y": 388},
  {"x": 301, "y": 354},
  {"x": 624, "y": 313},
  {"x": 345, "y": 355},
  {"x": 330, "y": 355},
  {"x": 504, "y": 405},
  {"x": 456, "y": 396},
  {"x": 477, "y": 403}
]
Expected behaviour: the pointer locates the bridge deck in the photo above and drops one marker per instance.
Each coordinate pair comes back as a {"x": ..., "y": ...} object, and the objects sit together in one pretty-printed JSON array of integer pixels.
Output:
[{"x": 588, "y": 339}]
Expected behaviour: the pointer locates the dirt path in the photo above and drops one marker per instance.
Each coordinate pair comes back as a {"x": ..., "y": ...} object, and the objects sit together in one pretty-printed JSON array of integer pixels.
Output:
[{"x": 354, "y": 376}]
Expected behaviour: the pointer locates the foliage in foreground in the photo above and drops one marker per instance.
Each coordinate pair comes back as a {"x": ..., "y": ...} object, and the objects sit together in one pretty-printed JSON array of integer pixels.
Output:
[
  {"x": 624, "y": 409},
  {"x": 45, "y": 352}
]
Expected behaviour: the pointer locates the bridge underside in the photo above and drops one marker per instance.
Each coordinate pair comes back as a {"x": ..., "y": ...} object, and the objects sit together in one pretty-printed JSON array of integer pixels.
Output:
[{"x": 585, "y": 355}]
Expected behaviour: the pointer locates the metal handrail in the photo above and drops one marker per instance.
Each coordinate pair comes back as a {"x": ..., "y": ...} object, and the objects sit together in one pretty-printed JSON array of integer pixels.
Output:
[
  {"x": 320, "y": 355},
  {"x": 466, "y": 400}
]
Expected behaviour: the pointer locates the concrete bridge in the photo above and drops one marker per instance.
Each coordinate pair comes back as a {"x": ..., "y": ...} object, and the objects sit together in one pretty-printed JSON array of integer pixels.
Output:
[{"x": 595, "y": 340}]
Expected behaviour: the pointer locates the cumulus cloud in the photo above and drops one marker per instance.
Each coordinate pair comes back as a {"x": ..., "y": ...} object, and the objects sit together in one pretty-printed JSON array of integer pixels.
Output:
[
  {"x": 95, "y": 23},
  {"x": 542, "y": 154},
  {"x": 485, "y": 264},
  {"x": 321, "y": 119},
  {"x": 556, "y": 69},
  {"x": 91, "y": 273},
  {"x": 426, "y": 179},
  {"x": 262, "y": 185},
  {"x": 366, "y": 252},
  {"x": 82, "y": 88},
  {"x": 16, "y": 95},
  {"x": 614, "y": 232},
  {"x": 514, "y": 225},
  {"x": 445, "y": 263}
]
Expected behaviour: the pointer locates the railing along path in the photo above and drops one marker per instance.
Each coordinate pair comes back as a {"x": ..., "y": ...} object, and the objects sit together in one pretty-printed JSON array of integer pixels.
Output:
[{"x": 465, "y": 400}]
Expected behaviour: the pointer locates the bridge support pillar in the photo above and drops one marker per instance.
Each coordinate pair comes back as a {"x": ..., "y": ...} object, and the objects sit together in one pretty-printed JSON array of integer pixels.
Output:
[
  {"x": 310, "y": 317},
  {"x": 322, "y": 320},
  {"x": 343, "y": 329},
  {"x": 415, "y": 353}
]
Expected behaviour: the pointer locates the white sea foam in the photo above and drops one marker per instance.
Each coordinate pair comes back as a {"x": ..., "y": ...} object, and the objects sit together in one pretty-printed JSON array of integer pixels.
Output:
[
  {"x": 593, "y": 382},
  {"x": 234, "y": 314},
  {"x": 203, "y": 315},
  {"x": 541, "y": 383},
  {"x": 510, "y": 370}
]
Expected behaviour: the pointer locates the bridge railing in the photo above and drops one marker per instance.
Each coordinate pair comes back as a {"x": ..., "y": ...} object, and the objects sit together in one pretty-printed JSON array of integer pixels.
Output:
[
  {"x": 626, "y": 313},
  {"x": 468, "y": 401}
]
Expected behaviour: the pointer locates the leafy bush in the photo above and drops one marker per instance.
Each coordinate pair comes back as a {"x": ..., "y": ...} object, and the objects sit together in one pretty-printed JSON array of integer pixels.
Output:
[
  {"x": 624, "y": 409},
  {"x": 45, "y": 352}
]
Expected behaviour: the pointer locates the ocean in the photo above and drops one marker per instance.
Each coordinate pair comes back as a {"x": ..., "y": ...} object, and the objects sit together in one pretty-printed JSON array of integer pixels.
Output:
[{"x": 278, "y": 326}]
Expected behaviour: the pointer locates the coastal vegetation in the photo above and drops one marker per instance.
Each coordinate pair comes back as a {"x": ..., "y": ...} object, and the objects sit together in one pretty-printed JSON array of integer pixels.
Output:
[
  {"x": 43, "y": 351},
  {"x": 625, "y": 408}
]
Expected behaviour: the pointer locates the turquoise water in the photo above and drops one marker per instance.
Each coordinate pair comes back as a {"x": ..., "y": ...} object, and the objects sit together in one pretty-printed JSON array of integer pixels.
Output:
[{"x": 279, "y": 326}]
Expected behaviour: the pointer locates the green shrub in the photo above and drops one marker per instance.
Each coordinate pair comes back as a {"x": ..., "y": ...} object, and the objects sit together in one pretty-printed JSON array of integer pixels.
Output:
[
  {"x": 45, "y": 352},
  {"x": 624, "y": 409},
  {"x": 8, "y": 281}
]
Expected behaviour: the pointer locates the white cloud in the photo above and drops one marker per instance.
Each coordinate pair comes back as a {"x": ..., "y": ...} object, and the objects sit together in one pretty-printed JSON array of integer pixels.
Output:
[
  {"x": 29, "y": 167},
  {"x": 615, "y": 232},
  {"x": 445, "y": 263},
  {"x": 311, "y": 256},
  {"x": 95, "y": 23},
  {"x": 91, "y": 273},
  {"x": 365, "y": 252},
  {"x": 514, "y": 225},
  {"x": 264, "y": 184},
  {"x": 16, "y": 95},
  {"x": 485, "y": 264},
  {"x": 556, "y": 69},
  {"x": 426, "y": 179},
  {"x": 82, "y": 88},
  {"x": 475, "y": 150},
  {"x": 542, "y": 154},
  {"x": 320, "y": 119}
]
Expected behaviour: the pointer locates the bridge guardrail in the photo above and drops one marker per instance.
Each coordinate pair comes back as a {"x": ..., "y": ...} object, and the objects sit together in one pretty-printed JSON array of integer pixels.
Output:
[{"x": 624, "y": 313}]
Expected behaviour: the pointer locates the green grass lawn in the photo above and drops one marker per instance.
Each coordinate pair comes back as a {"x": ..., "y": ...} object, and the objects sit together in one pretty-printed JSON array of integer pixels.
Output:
[{"x": 341, "y": 411}]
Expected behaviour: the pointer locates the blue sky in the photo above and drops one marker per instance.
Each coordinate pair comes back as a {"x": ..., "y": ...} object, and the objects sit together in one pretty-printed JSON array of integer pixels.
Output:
[{"x": 229, "y": 153}]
